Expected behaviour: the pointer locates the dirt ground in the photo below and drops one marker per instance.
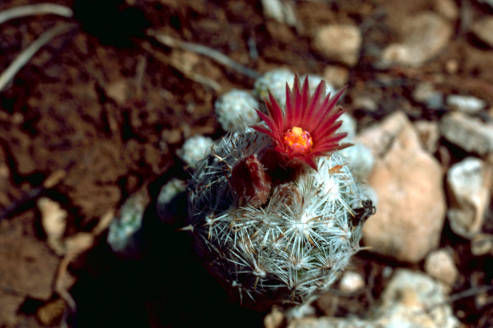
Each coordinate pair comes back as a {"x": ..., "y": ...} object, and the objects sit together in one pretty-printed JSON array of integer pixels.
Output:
[{"x": 104, "y": 107}]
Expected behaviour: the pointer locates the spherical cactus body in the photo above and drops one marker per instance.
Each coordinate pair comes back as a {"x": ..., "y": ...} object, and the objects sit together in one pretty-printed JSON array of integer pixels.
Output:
[{"x": 275, "y": 211}]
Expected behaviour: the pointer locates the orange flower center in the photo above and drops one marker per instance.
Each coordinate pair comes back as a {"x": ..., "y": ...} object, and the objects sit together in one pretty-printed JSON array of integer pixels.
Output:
[{"x": 298, "y": 140}]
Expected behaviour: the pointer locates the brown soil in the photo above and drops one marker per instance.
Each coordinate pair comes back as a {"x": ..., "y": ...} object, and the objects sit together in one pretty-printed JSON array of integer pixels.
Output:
[{"x": 108, "y": 106}]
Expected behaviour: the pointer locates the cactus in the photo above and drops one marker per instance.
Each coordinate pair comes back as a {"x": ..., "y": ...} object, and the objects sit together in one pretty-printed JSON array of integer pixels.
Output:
[{"x": 275, "y": 211}]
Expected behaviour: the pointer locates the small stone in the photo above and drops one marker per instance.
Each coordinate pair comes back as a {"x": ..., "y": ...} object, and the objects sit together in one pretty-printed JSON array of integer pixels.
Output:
[
  {"x": 360, "y": 160},
  {"x": 483, "y": 29},
  {"x": 53, "y": 219},
  {"x": 235, "y": 110},
  {"x": 468, "y": 133},
  {"x": 447, "y": 8},
  {"x": 339, "y": 42},
  {"x": 410, "y": 299},
  {"x": 124, "y": 227},
  {"x": 351, "y": 282},
  {"x": 429, "y": 134},
  {"x": 118, "y": 91},
  {"x": 281, "y": 11},
  {"x": 426, "y": 94},
  {"x": 466, "y": 104},
  {"x": 423, "y": 37},
  {"x": 365, "y": 103},
  {"x": 274, "y": 319},
  {"x": 195, "y": 149},
  {"x": 482, "y": 244},
  {"x": 440, "y": 265},
  {"x": 408, "y": 182},
  {"x": 469, "y": 187},
  {"x": 336, "y": 75}
]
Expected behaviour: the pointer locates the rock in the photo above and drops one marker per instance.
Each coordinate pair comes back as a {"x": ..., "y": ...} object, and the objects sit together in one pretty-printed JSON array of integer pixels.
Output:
[
  {"x": 447, "y": 8},
  {"x": 338, "y": 42},
  {"x": 410, "y": 300},
  {"x": 336, "y": 75},
  {"x": 236, "y": 110},
  {"x": 469, "y": 187},
  {"x": 483, "y": 30},
  {"x": 194, "y": 149},
  {"x": 274, "y": 319},
  {"x": 426, "y": 94},
  {"x": 468, "y": 133},
  {"x": 429, "y": 133},
  {"x": 118, "y": 91},
  {"x": 466, "y": 104},
  {"x": 440, "y": 265},
  {"x": 123, "y": 229},
  {"x": 351, "y": 282},
  {"x": 408, "y": 182},
  {"x": 365, "y": 103},
  {"x": 53, "y": 220},
  {"x": 360, "y": 160},
  {"x": 281, "y": 11},
  {"x": 482, "y": 244},
  {"x": 423, "y": 37}
]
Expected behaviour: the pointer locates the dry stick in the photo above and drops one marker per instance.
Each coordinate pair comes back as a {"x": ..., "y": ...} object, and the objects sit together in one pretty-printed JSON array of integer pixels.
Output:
[
  {"x": 38, "y": 9},
  {"x": 27, "y": 53},
  {"x": 203, "y": 50}
]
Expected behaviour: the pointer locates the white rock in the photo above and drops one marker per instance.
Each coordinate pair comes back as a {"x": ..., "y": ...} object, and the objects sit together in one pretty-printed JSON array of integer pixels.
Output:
[
  {"x": 468, "y": 133},
  {"x": 423, "y": 37},
  {"x": 54, "y": 221},
  {"x": 351, "y": 282},
  {"x": 408, "y": 182},
  {"x": 338, "y": 42},
  {"x": 360, "y": 160},
  {"x": 124, "y": 227},
  {"x": 195, "y": 149},
  {"x": 235, "y": 110},
  {"x": 483, "y": 30},
  {"x": 426, "y": 94},
  {"x": 440, "y": 265},
  {"x": 282, "y": 11},
  {"x": 466, "y": 104},
  {"x": 410, "y": 300},
  {"x": 469, "y": 186}
]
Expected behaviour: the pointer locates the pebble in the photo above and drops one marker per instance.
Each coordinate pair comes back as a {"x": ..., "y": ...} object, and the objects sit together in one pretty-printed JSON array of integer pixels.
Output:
[
  {"x": 235, "y": 110},
  {"x": 123, "y": 229},
  {"x": 408, "y": 182},
  {"x": 483, "y": 29},
  {"x": 410, "y": 299},
  {"x": 469, "y": 186},
  {"x": 466, "y": 104},
  {"x": 351, "y": 282},
  {"x": 54, "y": 221},
  {"x": 468, "y": 133},
  {"x": 195, "y": 149},
  {"x": 281, "y": 11},
  {"x": 440, "y": 265},
  {"x": 426, "y": 94},
  {"x": 423, "y": 37},
  {"x": 336, "y": 75},
  {"x": 447, "y": 8},
  {"x": 338, "y": 42}
]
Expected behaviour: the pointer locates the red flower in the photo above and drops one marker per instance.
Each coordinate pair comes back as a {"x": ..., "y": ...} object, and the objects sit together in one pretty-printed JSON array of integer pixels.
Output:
[{"x": 307, "y": 128}]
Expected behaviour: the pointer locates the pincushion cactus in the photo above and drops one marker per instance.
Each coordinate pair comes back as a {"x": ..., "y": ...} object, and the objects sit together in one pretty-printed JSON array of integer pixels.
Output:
[{"x": 275, "y": 211}]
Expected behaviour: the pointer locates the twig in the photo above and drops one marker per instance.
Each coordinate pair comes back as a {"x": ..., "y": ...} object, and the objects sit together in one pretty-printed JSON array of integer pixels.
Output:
[
  {"x": 29, "y": 52},
  {"x": 38, "y": 9},
  {"x": 205, "y": 51},
  {"x": 187, "y": 72}
]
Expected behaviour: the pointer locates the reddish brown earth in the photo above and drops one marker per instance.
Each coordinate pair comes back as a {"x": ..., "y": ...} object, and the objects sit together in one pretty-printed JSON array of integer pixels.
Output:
[{"x": 107, "y": 106}]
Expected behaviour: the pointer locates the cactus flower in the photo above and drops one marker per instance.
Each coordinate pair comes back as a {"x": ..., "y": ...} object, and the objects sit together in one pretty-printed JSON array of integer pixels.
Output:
[{"x": 306, "y": 129}]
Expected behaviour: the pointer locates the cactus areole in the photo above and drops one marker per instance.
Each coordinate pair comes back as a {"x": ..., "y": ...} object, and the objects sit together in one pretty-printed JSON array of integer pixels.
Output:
[{"x": 273, "y": 220}]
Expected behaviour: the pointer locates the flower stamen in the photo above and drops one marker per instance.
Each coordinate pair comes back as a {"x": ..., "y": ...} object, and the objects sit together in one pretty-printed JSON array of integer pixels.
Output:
[{"x": 298, "y": 140}]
